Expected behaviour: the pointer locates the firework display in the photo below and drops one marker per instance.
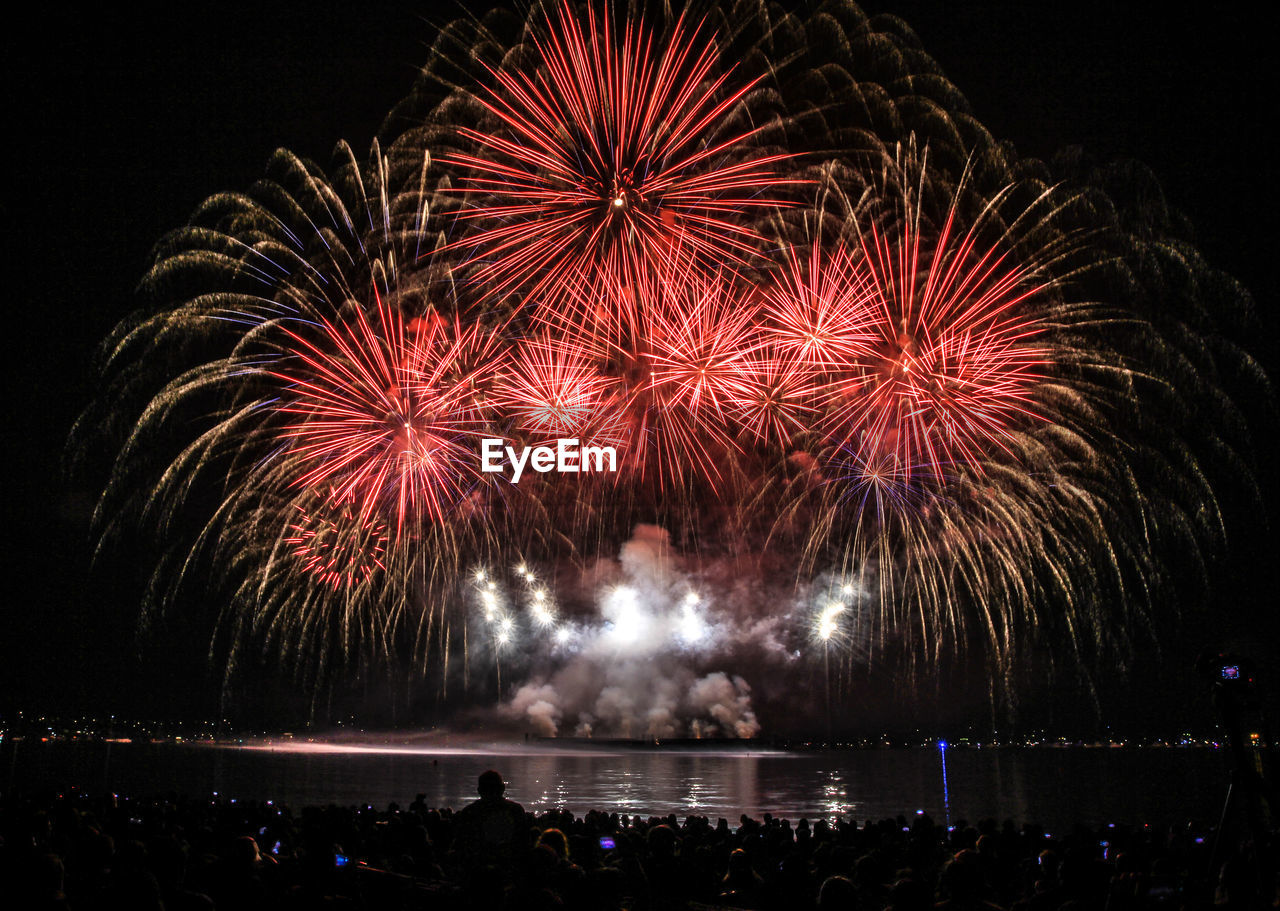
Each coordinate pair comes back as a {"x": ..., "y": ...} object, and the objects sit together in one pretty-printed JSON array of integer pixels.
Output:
[
  {"x": 605, "y": 154},
  {"x": 824, "y": 320}
]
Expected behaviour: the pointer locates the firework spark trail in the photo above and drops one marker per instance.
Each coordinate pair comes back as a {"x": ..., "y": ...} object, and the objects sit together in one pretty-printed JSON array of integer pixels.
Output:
[
  {"x": 380, "y": 417},
  {"x": 819, "y": 308},
  {"x": 324, "y": 541},
  {"x": 553, "y": 389},
  {"x": 338, "y": 450},
  {"x": 677, "y": 377},
  {"x": 601, "y": 159},
  {"x": 773, "y": 398},
  {"x": 951, "y": 364}
]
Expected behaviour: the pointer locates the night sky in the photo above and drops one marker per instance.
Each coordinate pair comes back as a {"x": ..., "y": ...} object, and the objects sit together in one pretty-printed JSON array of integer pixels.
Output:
[{"x": 120, "y": 125}]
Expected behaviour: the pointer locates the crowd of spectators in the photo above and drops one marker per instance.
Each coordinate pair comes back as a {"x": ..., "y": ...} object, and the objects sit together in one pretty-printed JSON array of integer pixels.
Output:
[{"x": 73, "y": 851}]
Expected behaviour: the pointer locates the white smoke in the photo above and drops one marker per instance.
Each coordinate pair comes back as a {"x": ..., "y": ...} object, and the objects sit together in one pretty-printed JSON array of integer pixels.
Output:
[
  {"x": 727, "y": 701},
  {"x": 645, "y": 666},
  {"x": 641, "y": 700},
  {"x": 537, "y": 704}
]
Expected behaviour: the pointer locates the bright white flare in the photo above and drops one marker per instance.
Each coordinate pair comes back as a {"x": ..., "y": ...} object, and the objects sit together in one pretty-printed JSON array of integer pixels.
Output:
[
  {"x": 542, "y": 614},
  {"x": 630, "y": 621},
  {"x": 827, "y": 620},
  {"x": 691, "y": 628}
]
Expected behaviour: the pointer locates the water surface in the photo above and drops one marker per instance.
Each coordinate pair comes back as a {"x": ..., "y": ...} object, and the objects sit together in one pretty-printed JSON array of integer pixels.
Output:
[{"x": 1054, "y": 787}]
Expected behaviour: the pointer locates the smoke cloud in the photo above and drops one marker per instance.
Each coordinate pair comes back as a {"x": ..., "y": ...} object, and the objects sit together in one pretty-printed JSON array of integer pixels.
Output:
[{"x": 651, "y": 660}]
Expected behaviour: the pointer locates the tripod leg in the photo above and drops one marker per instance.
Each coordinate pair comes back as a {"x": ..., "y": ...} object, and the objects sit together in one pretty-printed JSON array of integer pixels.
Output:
[{"x": 1222, "y": 825}]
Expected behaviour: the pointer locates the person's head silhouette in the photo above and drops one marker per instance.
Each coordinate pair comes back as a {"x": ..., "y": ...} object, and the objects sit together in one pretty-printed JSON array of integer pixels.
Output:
[{"x": 491, "y": 784}]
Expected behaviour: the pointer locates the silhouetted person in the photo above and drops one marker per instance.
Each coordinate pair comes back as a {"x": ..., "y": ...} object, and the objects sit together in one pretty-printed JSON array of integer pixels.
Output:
[
  {"x": 837, "y": 894},
  {"x": 170, "y": 863},
  {"x": 741, "y": 887},
  {"x": 133, "y": 886},
  {"x": 1046, "y": 893},
  {"x": 491, "y": 833},
  {"x": 909, "y": 895},
  {"x": 240, "y": 882},
  {"x": 45, "y": 877},
  {"x": 963, "y": 883}
]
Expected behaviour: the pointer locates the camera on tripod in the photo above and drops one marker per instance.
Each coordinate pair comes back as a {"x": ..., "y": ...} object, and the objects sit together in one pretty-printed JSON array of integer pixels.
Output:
[{"x": 1250, "y": 794}]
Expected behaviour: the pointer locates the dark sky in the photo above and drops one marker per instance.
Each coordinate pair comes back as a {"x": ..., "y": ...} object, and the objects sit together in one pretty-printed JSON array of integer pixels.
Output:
[{"x": 120, "y": 123}]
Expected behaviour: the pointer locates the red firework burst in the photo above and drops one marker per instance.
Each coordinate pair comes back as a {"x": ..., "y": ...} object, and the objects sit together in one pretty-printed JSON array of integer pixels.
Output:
[
  {"x": 819, "y": 310},
  {"x": 951, "y": 361},
  {"x": 336, "y": 545},
  {"x": 679, "y": 378},
  {"x": 463, "y": 357},
  {"x": 777, "y": 401},
  {"x": 383, "y": 417},
  {"x": 554, "y": 389},
  {"x": 602, "y": 158}
]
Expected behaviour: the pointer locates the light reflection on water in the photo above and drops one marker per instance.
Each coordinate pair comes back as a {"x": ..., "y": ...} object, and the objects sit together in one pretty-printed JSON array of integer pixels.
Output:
[
  {"x": 1053, "y": 787},
  {"x": 833, "y": 793}
]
